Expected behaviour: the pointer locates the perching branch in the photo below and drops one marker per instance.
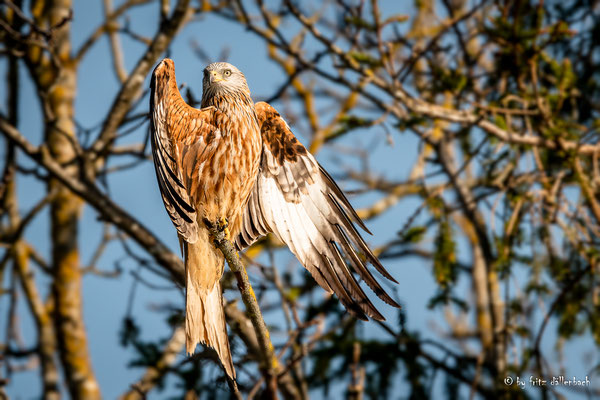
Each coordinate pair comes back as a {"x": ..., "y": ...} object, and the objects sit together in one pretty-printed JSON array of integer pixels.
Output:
[
  {"x": 163, "y": 256},
  {"x": 268, "y": 363}
]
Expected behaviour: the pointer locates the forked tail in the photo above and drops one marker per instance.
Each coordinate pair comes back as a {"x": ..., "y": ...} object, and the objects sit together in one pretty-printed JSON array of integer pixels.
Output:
[{"x": 204, "y": 314}]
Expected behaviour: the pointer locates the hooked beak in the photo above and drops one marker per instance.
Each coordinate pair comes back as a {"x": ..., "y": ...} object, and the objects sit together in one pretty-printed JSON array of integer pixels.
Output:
[{"x": 215, "y": 77}]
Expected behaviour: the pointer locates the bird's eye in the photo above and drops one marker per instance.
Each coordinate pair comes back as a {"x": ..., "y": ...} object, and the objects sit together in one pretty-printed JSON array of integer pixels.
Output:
[{"x": 227, "y": 72}]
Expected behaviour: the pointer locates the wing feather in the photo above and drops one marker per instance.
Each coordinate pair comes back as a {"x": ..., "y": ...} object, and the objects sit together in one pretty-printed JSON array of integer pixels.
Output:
[
  {"x": 297, "y": 200},
  {"x": 177, "y": 135}
]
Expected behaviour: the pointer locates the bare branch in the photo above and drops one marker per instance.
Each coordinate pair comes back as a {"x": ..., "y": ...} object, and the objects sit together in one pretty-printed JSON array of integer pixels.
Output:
[
  {"x": 268, "y": 363},
  {"x": 132, "y": 88},
  {"x": 140, "y": 389},
  {"x": 106, "y": 207}
]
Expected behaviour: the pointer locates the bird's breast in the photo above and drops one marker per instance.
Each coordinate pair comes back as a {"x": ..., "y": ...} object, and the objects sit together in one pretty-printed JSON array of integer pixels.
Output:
[{"x": 230, "y": 166}]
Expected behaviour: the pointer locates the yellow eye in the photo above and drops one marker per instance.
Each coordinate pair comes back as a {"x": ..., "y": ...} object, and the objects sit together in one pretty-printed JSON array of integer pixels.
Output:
[{"x": 227, "y": 72}]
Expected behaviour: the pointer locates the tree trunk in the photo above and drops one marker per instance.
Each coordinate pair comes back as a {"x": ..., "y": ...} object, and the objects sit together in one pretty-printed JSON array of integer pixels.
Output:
[{"x": 56, "y": 82}]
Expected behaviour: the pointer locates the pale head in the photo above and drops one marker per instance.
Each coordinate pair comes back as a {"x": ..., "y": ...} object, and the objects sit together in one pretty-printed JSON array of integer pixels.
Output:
[{"x": 223, "y": 78}]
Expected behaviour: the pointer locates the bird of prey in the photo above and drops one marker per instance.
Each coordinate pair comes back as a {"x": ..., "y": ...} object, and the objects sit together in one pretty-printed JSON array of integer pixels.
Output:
[{"x": 237, "y": 164}]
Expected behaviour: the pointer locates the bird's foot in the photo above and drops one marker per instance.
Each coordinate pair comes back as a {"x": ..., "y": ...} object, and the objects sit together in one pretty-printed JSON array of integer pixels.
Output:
[{"x": 223, "y": 226}]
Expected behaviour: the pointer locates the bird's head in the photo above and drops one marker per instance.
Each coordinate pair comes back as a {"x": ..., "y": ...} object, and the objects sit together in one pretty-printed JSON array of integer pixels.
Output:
[{"x": 223, "y": 78}]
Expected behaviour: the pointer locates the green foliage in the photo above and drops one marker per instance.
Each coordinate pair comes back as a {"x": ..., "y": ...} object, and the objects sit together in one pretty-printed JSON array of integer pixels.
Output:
[
  {"x": 448, "y": 79},
  {"x": 414, "y": 234},
  {"x": 147, "y": 353},
  {"x": 444, "y": 257},
  {"x": 411, "y": 121},
  {"x": 501, "y": 122},
  {"x": 359, "y": 22},
  {"x": 349, "y": 123},
  {"x": 366, "y": 59},
  {"x": 382, "y": 359},
  {"x": 188, "y": 376}
]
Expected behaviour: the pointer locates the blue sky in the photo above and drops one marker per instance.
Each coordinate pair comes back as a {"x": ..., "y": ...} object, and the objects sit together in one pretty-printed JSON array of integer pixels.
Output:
[{"x": 105, "y": 300}]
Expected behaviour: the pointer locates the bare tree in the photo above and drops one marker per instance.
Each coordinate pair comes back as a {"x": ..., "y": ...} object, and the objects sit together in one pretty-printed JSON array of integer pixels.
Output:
[{"x": 502, "y": 100}]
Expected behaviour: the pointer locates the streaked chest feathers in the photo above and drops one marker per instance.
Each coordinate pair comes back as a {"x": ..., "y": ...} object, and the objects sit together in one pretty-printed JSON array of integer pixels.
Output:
[{"x": 221, "y": 167}]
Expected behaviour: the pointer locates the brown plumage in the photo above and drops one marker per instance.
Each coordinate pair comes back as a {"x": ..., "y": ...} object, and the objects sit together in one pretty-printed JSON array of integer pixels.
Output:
[{"x": 236, "y": 160}]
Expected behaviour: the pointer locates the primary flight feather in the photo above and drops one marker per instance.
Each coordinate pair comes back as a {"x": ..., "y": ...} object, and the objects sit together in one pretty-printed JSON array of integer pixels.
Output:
[{"x": 236, "y": 163}]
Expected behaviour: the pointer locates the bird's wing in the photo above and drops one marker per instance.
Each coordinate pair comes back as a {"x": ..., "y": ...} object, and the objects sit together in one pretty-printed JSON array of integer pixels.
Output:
[
  {"x": 179, "y": 133},
  {"x": 297, "y": 200}
]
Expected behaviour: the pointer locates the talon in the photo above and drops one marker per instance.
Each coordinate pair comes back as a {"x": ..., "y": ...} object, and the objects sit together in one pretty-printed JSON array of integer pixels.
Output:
[{"x": 223, "y": 226}]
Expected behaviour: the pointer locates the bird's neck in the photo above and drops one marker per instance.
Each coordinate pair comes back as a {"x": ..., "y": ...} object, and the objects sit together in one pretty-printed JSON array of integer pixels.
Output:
[
  {"x": 229, "y": 103},
  {"x": 235, "y": 111}
]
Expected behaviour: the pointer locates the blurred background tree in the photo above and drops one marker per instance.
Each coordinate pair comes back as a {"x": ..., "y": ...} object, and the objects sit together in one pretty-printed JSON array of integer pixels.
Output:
[{"x": 466, "y": 132}]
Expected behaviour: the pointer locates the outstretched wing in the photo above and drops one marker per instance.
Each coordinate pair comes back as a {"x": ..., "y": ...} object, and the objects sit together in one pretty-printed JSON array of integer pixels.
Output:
[
  {"x": 179, "y": 133},
  {"x": 297, "y": 200}
]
